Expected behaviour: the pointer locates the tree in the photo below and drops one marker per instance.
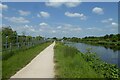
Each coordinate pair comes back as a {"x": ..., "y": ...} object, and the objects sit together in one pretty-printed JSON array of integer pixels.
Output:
[
  {"x": 64, "y": 38},
  {"x": 9, "y": 34},
  {"x": 54, "y": 38}
]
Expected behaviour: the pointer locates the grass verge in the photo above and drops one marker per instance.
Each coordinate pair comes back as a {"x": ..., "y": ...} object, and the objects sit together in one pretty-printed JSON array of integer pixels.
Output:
[
  {"x": 70, "y": 63},
  {"x": 20, "y": 59}
]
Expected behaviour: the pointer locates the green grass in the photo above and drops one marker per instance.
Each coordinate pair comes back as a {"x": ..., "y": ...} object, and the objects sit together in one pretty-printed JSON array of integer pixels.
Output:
[
  {"x": 0, "y": 66},
  {"x": 20, "y": 59},
  {"x": 69, "y": 63}
]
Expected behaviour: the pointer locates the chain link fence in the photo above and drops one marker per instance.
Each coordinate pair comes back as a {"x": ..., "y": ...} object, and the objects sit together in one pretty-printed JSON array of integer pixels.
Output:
[{"x": 8, "y": 49}]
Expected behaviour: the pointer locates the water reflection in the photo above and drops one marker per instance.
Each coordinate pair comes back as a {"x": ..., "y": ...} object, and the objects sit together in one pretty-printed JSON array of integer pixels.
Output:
[{"x": 106, "y": 54}]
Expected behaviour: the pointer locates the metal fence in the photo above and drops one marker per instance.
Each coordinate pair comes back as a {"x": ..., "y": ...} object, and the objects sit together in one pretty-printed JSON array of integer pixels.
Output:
[{"x": 21, "y": 45}]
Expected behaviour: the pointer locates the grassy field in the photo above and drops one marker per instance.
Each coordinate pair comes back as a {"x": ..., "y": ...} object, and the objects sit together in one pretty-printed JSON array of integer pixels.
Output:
[
  {"x": 20, "y": 59},
  {"x": 70, "y": 63}
]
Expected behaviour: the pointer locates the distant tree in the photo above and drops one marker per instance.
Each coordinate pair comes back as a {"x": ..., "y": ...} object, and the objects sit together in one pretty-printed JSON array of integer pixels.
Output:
[
  {"x": 106, "y": 36},
  {"x": 9, "y": 34},
  {"x": 111, "y": 35},
  {"x": 64, "y": 38},
  {"x": 54, "y": 38},
  {"x": 39, "y": 37}
]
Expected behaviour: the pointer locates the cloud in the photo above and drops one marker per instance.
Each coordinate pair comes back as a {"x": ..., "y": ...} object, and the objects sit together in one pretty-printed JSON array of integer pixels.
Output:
[
  {"x": 24, "y": 13},
  {"x": 114, "y": 24},
  {"x": 69, "y": 28},
  {"x": 98, "y": 10},
  {"x": 0, "y": 15},
  {"x": 29, "y": 28},
  {"x": 67, "y": 3},
  {"x": 89, "y": 28},
  {"x": 43, "y": 14},
  {"x": 59, "y": 30},
  {"x": 59, "y": 27},
  {"x": 2, "y": 6},
  {"x": 110, "y": 22},
  {"x": 43, "y": 24},
  {"x": 77, "y": 15},
  {"x": 53, "y": 31},
  {"x": 94, "y": 28},
  {"x": 107, "y": 20},
  {"x": 53, "y": 4},
  {"x": 17, "y": 19},
  {"x": 71, "y": 4}
]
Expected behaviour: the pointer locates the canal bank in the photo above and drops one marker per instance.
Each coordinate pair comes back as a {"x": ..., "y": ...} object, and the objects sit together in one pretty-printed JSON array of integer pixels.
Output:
[
  {"x": 71, "y": 63},
  {"x": 105, "y": 54}
]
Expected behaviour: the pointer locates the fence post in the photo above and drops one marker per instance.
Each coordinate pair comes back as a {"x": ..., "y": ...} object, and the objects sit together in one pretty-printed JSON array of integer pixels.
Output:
[
  {"x": 10, "y": 46},
  {"x": 6, "y": 42},
  {"x": 18, "y": 44}
]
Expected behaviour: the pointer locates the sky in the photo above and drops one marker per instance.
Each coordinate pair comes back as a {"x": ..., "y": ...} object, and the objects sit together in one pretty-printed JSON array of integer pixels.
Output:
[{"x": 59, "y": 19}]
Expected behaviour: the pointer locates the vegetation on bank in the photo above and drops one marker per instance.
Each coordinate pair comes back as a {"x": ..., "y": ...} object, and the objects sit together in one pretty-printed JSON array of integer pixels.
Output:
[
  {"x": 14, "y": 63},
  {"x": 70, "y": 63},
  {"x": 109, "y": 41}
]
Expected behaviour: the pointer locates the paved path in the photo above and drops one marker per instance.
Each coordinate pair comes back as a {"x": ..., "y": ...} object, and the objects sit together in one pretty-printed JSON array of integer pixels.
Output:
[{"x": 42, "y": 66}]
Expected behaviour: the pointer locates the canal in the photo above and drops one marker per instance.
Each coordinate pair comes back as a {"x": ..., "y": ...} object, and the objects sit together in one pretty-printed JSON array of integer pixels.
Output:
[{"x": 106, "y": 54}]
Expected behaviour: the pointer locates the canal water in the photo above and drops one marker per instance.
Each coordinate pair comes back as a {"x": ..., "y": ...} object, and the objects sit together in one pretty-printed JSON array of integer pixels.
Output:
[{"x": 106, "y": 54}]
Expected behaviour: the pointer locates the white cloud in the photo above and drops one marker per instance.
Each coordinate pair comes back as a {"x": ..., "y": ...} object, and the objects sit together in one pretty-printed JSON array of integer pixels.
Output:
[
  {"x": 67, "y": 3},
  {"x": 59, "y": 30},
  {"x": 53, "y": 31},
  {"x": 69, "y": 28},
  {"x": 24, "y": 13},
  {"x": 110, "y": 22},
  {"x": 43, "y": 24},
  {"x": 94, "y": 28},
  {"x": 29, "y": 28},
  {"x": 114, "y": 24},
  {"x": 40, "y": 30},
  {"x": 89, "y": 28},
  {"x": 53, "y": 4},
  {"x": 0, "y": 15},
  {"x": 59, "y": 27},
  {"x": 3, "y": 6},
  {"x": 77, "y": 15},
  {"x": 76, "y": 29},
  {"x": 72, "y": 4},
  {"x": 17, "y": 19},
  {"x": 98, "y": 10},
  {"x": 107, "y": 20},
  {"x": 43, "y": 14}
]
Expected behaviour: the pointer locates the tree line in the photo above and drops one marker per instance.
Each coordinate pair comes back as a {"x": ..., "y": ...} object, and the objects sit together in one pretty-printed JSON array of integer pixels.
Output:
[
  {"x": 109, "y": 38},
  {"x": 11, "y": 36}
]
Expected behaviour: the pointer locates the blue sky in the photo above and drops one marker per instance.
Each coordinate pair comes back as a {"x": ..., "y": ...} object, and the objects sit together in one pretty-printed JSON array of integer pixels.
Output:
[{"x": 53, "y": 19}]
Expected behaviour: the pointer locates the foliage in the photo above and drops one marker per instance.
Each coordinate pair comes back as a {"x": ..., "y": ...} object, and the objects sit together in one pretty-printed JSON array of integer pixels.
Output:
[
  {"x": 12, "y": 37},
  {"x": 107, "y": 70}
]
